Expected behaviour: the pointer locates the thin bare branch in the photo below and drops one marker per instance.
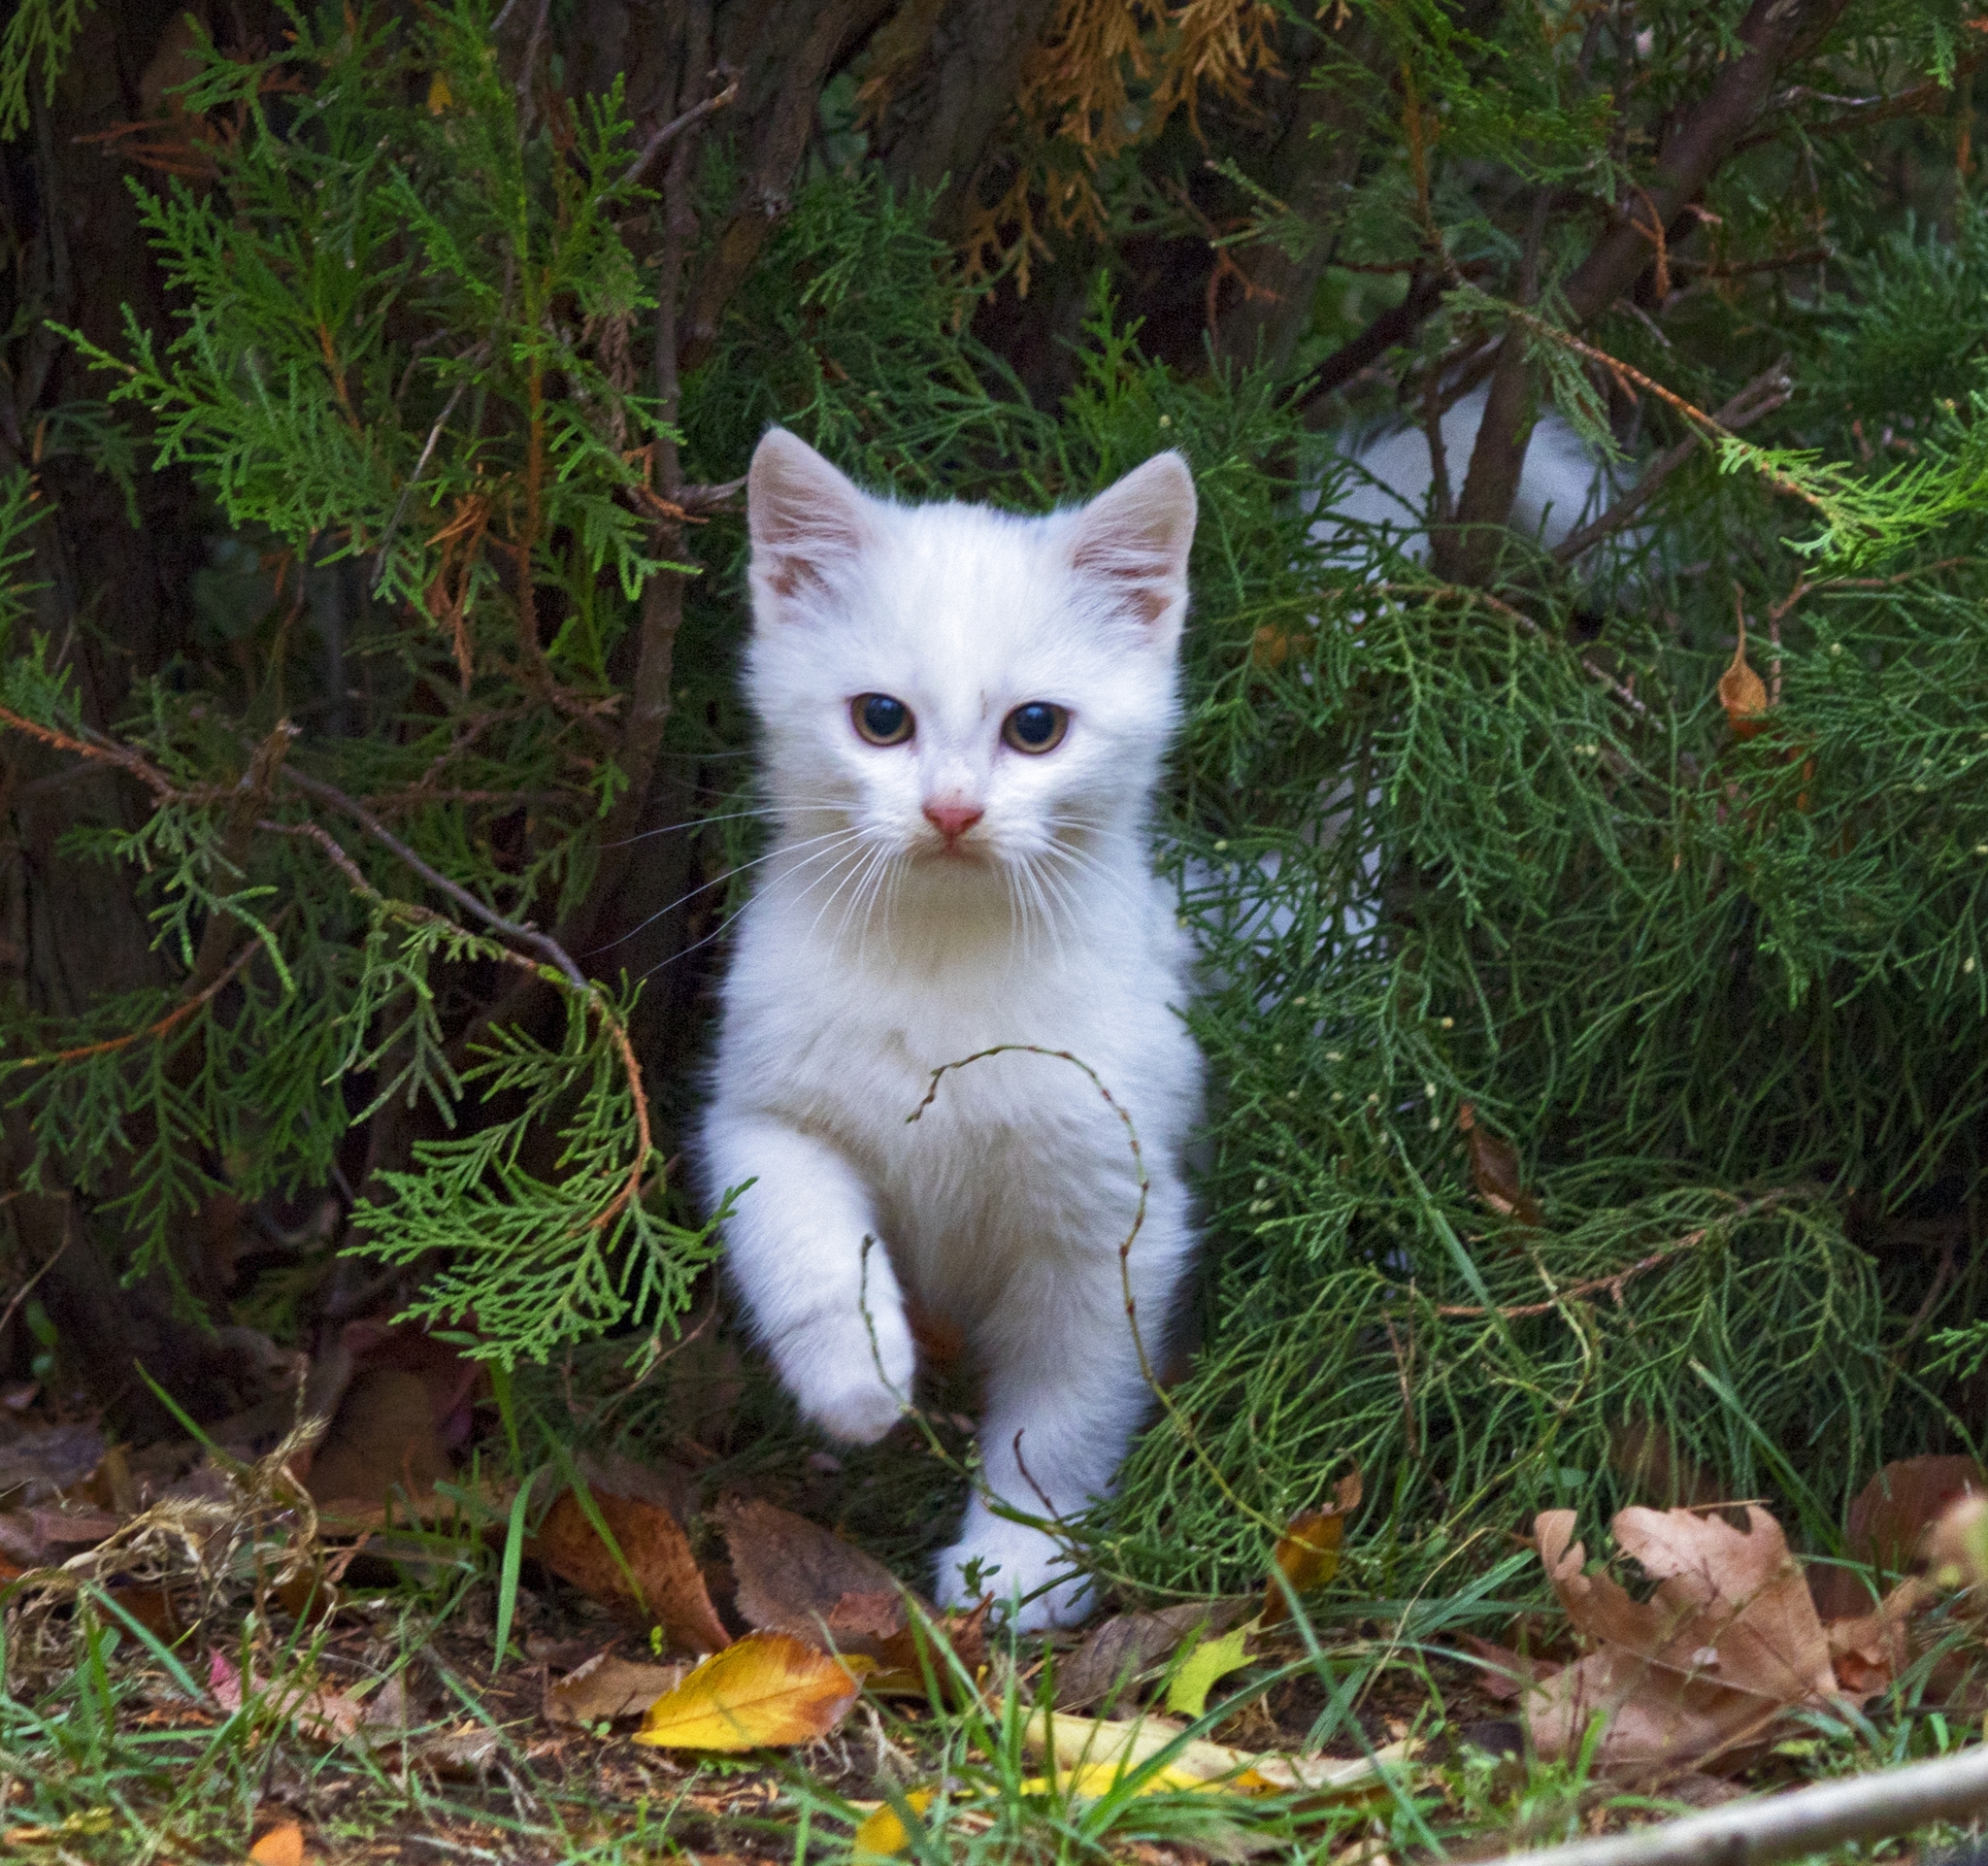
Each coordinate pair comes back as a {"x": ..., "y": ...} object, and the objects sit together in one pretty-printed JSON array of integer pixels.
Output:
[
  {"x": 1807, "y": 1820},
  {"x": 1766, "y": 391},
  {"x": 676, "y": 128},
  {"x": 523, "y": 934}
]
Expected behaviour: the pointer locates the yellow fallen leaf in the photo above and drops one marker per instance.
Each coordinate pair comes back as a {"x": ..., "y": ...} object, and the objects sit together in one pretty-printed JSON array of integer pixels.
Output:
[
  {"x": 767, "y": 1688},
  {"x": 1078, "y": 1742},
  {"x": 884, "y": 1833},
  {"x": 1210, "y": 1661},
  {"x": 439, "y": 95}
]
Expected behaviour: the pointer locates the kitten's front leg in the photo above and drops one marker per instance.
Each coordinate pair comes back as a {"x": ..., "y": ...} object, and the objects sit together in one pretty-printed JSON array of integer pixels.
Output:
[
  {"x": 1065, "y": 1393},
  {"x": 795, "y": 1247}
]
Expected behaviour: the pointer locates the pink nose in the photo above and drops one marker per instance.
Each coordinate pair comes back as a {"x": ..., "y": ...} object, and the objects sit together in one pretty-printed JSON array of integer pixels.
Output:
[{"x": 953, "y": 820}]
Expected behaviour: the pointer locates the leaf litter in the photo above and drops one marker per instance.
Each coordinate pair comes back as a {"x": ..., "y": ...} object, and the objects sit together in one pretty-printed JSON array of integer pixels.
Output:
[
  {"x": 1736, "y": 1641},
  {"x": 1713, "y": 1668}
]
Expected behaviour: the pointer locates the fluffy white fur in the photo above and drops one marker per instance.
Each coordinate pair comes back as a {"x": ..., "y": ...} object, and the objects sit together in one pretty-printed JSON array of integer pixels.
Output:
[
  {"x": 875, "y": 951},
  {"x": 1561, "y": 485}
]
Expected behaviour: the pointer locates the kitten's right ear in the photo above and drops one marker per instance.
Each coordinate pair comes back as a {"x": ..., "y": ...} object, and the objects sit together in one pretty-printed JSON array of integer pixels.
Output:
[{"x": 809, "y": 522}]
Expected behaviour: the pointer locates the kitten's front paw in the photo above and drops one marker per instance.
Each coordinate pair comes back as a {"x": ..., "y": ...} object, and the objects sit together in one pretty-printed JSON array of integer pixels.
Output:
[
  {"x": 1015, "y": 1562},
  {"x": 845, "y": 1387}
]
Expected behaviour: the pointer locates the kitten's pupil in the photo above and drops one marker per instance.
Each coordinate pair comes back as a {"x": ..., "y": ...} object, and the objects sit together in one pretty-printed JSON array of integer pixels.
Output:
[
  {"x": 1037, "y": 726},
  {"x": 881, "y": 720}
]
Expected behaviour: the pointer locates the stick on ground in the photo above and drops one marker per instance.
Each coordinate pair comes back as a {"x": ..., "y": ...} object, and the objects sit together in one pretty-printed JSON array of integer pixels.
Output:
[{"x": 1807, "y": 1820}]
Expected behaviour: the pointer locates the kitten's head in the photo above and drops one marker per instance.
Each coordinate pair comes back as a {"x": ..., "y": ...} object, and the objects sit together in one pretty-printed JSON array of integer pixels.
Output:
[{"x": 965, "y": 690}]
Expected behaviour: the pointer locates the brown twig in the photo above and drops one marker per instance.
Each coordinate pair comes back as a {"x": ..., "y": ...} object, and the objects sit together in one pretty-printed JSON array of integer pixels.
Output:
[
  {"x": 173, "y": 1018},
  {"x": 676, "y": 128},
  {"x": 47, "y": 1264},
  {"x": 1393, "y": 326},
  {"x": 549, "y": 950},
  {"x": 1616, "y": 1281},
  {"x": 406, "y": 492},
  {"x": 1934, "y": 94},
  {"x": 1405, "y": 1370},
  {"x": 1767, "y": 392},
  {"x": 1773, "y": 34},
  {"x": 1175, "y": 1415},
  {"x": 154, "y": 780},
  {"x": 596, "y": 999},
  {"x": 1573, "y": 1292}
]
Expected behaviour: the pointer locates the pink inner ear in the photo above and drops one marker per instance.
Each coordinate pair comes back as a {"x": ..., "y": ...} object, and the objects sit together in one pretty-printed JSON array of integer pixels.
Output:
[
  {"x": 1133, "y": 538},
  {"x": 791, "y": 576},
  {"x": 1136, "y": 570}
]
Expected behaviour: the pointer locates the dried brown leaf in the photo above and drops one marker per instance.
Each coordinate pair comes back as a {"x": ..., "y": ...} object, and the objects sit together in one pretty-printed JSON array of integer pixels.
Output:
[
  {"x": 661, "y": 1583},
  {"x": 796, "y": 1576},
  {"x": 606, "y": 1686},
  {"x": 1743, "y": 1594},
  {"x": 1307, "y": 1552},
  {"x": 1128, "y": 1644},
  {"x": 1956, "y": 1547},
  {"x": 1888, "y": 1527},
  {"x": 1892, "y": 1512},
  {"x": 1649, "y": 1458},
  {"x": 1495, "y": 1170},
  {"x": 1871, "y": 1651},
  {"x": 382, "y": 1440},
  {"x": 1703, "y": 1672}
]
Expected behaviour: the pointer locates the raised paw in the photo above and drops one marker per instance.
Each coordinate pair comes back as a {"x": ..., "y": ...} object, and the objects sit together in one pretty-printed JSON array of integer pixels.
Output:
[{"x": 853, "y": 1392}]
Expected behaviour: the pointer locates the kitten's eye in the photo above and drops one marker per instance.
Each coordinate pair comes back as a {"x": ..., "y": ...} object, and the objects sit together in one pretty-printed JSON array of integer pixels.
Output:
[
  {"x": 1038, "y": 726},
  {"x": 881, "y": 720}
]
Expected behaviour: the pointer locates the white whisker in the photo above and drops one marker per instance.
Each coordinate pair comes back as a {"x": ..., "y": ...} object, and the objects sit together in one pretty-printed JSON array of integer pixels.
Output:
[{"x": 716, "y": 881}]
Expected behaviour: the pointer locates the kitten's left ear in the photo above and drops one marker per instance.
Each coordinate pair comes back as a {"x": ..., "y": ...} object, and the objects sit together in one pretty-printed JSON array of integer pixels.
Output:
[{"x": 1134, "y": 538}]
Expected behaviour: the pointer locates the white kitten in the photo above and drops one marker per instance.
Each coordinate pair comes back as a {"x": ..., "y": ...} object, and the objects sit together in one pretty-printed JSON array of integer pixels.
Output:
[
  {"x": 1563, "y": 483},
  {"x": 964, "y": 720}
]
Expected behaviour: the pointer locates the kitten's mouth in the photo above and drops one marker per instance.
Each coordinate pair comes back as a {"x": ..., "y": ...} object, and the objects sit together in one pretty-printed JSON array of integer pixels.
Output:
[{"x": 958, "y": 850}]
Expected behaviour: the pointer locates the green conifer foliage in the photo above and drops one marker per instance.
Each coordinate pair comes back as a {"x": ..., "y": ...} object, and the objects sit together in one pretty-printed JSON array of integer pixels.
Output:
[{"x": 1594, "y": 993}]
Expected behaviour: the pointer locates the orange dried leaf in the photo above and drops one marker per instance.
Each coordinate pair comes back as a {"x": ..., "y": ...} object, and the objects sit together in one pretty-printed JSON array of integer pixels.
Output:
[
  {"x": 765, "y": 1689},
  {"x": 1307, "y": 1552},
  {"x": 660, "y": 1585},
  {"x": 280, "y": 1846},
  {"x": 1742, "y": 693}
]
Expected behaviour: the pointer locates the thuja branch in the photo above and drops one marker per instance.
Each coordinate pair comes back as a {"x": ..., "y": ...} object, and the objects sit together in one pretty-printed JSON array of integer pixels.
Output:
[
  {"x": 1773, "y": 34},
  {"x": 1617, "y": 1281},
  {"x": 163, "y": 1027},
  {"x": 547, "y": 956},
  {"x": 1767, "y": 392},
  {"x": 546, "y": 947}
]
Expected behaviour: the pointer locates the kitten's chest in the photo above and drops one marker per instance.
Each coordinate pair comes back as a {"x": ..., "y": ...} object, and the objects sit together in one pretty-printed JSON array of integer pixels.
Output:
[{"x": 853, "y": 1052}]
